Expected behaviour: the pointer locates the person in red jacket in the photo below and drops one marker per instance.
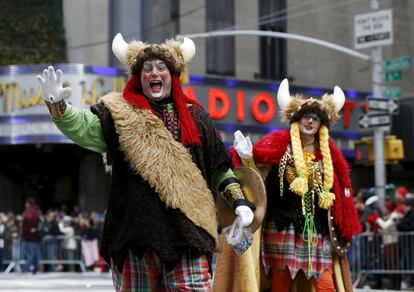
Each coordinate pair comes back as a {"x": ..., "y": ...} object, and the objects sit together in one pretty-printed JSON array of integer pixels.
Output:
[
  {"x": 31, "y": 237},
  {"x": 307, "y": 179}
]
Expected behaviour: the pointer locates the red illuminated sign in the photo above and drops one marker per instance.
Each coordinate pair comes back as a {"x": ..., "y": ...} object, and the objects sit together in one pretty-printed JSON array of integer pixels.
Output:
[
  {"x": 216, "y": 96},
  {"x": 262, "y": 105},
  {"x": 348, "y": 107},
  {"x": 270, "y": 104}
]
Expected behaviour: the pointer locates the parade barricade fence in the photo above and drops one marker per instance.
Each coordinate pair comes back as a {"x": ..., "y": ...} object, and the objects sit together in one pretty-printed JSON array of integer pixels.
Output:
[
  {"x": 57, "y": 253},
  {"x": 369, "y": 254},
  {"x": 388, "y": 255}
]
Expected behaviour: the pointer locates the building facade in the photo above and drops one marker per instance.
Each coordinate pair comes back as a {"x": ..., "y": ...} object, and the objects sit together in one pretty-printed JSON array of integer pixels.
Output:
[{"x": 235, "y": 78}]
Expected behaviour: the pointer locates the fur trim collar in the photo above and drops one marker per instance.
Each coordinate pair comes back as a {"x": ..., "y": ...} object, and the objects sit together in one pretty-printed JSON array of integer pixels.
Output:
[{"x": 166, "y": 164}]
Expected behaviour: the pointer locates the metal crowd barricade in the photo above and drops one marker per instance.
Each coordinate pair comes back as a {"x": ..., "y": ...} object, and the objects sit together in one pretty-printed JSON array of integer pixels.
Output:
[
  {"x": 381, "y": 254},
  {"x": 53, "y": 254}
]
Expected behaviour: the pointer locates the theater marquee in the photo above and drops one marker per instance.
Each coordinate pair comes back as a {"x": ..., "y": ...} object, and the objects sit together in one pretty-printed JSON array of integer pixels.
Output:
[{"x": 232, "y": 104}]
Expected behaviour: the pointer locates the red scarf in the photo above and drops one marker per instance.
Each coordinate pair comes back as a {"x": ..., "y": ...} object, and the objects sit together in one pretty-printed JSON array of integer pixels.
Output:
[{"x": 189, "y": 133}]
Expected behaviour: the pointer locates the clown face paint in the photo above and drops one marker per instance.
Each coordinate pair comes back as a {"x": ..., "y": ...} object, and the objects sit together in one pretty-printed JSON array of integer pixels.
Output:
[
  {"x": 155, "y": 79},
  {"x": 309, "y": 124}
]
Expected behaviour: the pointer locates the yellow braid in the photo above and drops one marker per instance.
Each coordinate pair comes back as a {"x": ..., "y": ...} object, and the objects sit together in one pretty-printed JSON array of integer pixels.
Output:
[
  {"x": 326, "y": 197},
  {"x": 299, "y": 184}
]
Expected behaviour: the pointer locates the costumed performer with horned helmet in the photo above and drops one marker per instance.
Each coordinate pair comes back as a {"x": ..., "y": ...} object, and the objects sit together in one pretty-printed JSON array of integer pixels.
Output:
[
  {"x": 167, "y": 160},
  {"x": 310, "y": 216}
]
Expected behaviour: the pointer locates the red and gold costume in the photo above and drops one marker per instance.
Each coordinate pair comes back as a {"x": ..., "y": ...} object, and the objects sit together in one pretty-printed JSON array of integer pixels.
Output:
[{"x": 310, "y": 214}]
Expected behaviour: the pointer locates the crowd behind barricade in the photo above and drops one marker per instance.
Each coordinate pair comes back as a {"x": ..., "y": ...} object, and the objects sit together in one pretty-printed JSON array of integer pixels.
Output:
[
  {"x": 50, "y": 241},
  {"x": 384, "y": 252},
  {"x": 56, "y": 240}
]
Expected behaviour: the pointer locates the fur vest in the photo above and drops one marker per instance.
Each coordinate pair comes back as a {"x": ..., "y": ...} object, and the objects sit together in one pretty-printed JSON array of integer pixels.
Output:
[{"x": 160, "y": 196}]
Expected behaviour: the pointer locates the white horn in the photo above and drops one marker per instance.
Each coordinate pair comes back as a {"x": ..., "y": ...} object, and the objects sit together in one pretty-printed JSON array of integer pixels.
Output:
[
  {"x": 119, "y": 47},
  {"x": 338, "y": 98},
  {"x": 188, "y": 49},
  {"x": 283, "y": 95}
]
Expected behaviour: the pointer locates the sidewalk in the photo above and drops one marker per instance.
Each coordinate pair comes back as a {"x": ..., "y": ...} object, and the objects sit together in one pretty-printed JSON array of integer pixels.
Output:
[{"x": 25, "y": 282}]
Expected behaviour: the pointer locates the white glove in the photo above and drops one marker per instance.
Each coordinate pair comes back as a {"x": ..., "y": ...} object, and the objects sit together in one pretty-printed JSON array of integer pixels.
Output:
[
  {"x": 242, "y": 145},
  {"x": 245, "y": 214},
  {"x": 395, "y": 216},
  {"x": 51, "y": 83}
]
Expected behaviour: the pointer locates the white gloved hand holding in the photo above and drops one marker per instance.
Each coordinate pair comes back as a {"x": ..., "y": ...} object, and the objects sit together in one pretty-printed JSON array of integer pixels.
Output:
[
  {"x": 51, "y": 83},
  {"x": 245, "y": 214},
  {"x": 242, "y": 145},
  {"x": 395, "y": 216}
]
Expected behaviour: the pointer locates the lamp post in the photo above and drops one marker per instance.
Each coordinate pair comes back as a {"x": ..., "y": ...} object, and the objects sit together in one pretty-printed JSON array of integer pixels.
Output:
[{"x": 377, "y": 91}]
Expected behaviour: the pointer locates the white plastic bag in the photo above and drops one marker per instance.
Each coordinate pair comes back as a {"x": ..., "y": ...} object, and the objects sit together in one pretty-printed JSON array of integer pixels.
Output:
[{"x": 239, "y": 237}]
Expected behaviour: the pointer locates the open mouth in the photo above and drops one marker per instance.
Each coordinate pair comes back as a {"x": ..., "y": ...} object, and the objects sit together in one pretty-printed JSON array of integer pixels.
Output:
[{"x": 156, "y": 85}]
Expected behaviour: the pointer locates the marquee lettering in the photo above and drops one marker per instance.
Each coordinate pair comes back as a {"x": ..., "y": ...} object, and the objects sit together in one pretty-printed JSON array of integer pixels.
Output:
[
  {"x": 118, "y": 84},
  {"x": 262, "y": 105},
  {"x": 240, "y": 114},
  {"x": 349, "y": 106},
  {"x": 16, "y": 98},
  {"x": 219, "y": 105},
  {"x": 216, "y": 96},
  {"x": 266, "y": 99},
  {"x": 90, "y": 96}
]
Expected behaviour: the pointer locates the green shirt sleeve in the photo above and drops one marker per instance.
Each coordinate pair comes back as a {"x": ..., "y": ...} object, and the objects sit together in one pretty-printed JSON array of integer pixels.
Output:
[
  {"x": 219, "y": 176},
  {"x": 82, "y": 127}
]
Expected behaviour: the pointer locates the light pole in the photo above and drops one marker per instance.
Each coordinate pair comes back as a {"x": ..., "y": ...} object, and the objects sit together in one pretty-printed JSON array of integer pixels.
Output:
[{"x": 379, "y": 164}]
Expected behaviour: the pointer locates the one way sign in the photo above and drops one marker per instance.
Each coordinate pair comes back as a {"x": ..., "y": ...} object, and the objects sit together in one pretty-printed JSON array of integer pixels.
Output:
[
  {"x": 375, "y": 121},
  {"x": 386, "y": 105}
]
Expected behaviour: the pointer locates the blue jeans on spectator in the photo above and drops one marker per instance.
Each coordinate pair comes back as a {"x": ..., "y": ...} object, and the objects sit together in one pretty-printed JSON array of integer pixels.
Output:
[
  {"x": 31, "y": 253},
  {"x": 16, "y": 253},
  {"x": 51, "y": 250}
]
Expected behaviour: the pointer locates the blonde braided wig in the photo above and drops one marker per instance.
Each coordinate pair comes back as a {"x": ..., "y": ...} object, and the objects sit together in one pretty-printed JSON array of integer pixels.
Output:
[
  {"x": 326, "y": 198},
  {"x": 299, "y": 184}
]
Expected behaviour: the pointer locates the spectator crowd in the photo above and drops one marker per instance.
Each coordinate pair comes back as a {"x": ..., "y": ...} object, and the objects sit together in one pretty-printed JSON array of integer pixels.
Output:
[
  {"x": 52, "y": 241},
  {"x": 56, "y": 240},
  {"x": 389, "y": 236}
]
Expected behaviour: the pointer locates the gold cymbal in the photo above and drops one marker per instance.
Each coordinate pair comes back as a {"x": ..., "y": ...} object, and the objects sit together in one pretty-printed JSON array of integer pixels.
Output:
[{"x": 254, "y": 191}]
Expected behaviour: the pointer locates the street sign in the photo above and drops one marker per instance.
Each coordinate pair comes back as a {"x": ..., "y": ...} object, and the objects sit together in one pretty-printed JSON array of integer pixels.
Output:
[
  {"x": 376, "y": 121},
  {"x": 389, "y": 106},
  {"x": 373, "y": 29},
  {"x": 392, "y": 76},
  {"x": 398, "y": 64},
  {"x": 392, "y": 92}
]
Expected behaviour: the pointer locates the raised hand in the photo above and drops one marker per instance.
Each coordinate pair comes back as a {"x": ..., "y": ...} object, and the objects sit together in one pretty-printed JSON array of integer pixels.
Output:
[
  {"x": 51, "y": 83},
  {"x": 242, "y": 145}
]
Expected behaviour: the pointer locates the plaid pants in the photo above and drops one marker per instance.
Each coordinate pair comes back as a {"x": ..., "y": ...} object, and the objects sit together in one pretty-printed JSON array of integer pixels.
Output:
[
  {"x": 149, "y": 274},
  {"x": 281, "y": 249}
]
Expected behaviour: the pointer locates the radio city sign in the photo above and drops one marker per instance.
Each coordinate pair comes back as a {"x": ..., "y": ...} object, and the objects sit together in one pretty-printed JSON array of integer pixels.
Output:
[
  {"x": 233, "y": 102},
  {"x": 250, "y": 106}
]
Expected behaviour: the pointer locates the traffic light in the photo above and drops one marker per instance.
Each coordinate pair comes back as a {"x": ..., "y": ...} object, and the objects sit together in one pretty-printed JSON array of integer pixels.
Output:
[{"x": 393, "y": 150}]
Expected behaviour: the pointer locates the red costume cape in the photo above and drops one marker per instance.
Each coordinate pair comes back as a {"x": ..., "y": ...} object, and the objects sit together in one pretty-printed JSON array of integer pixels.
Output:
[{"x": 270, "y": 149}]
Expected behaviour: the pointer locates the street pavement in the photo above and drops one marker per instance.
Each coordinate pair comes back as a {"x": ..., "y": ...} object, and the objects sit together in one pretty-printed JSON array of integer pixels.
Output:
[
  {"x": 24, "y": 282},
  {"x": 74, "y": 282}
]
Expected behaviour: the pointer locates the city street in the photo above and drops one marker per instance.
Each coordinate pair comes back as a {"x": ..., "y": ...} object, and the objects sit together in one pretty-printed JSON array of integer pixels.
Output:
[
  {"x": 19, "y": 282},
  {"x": 96, "y": 282}
]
